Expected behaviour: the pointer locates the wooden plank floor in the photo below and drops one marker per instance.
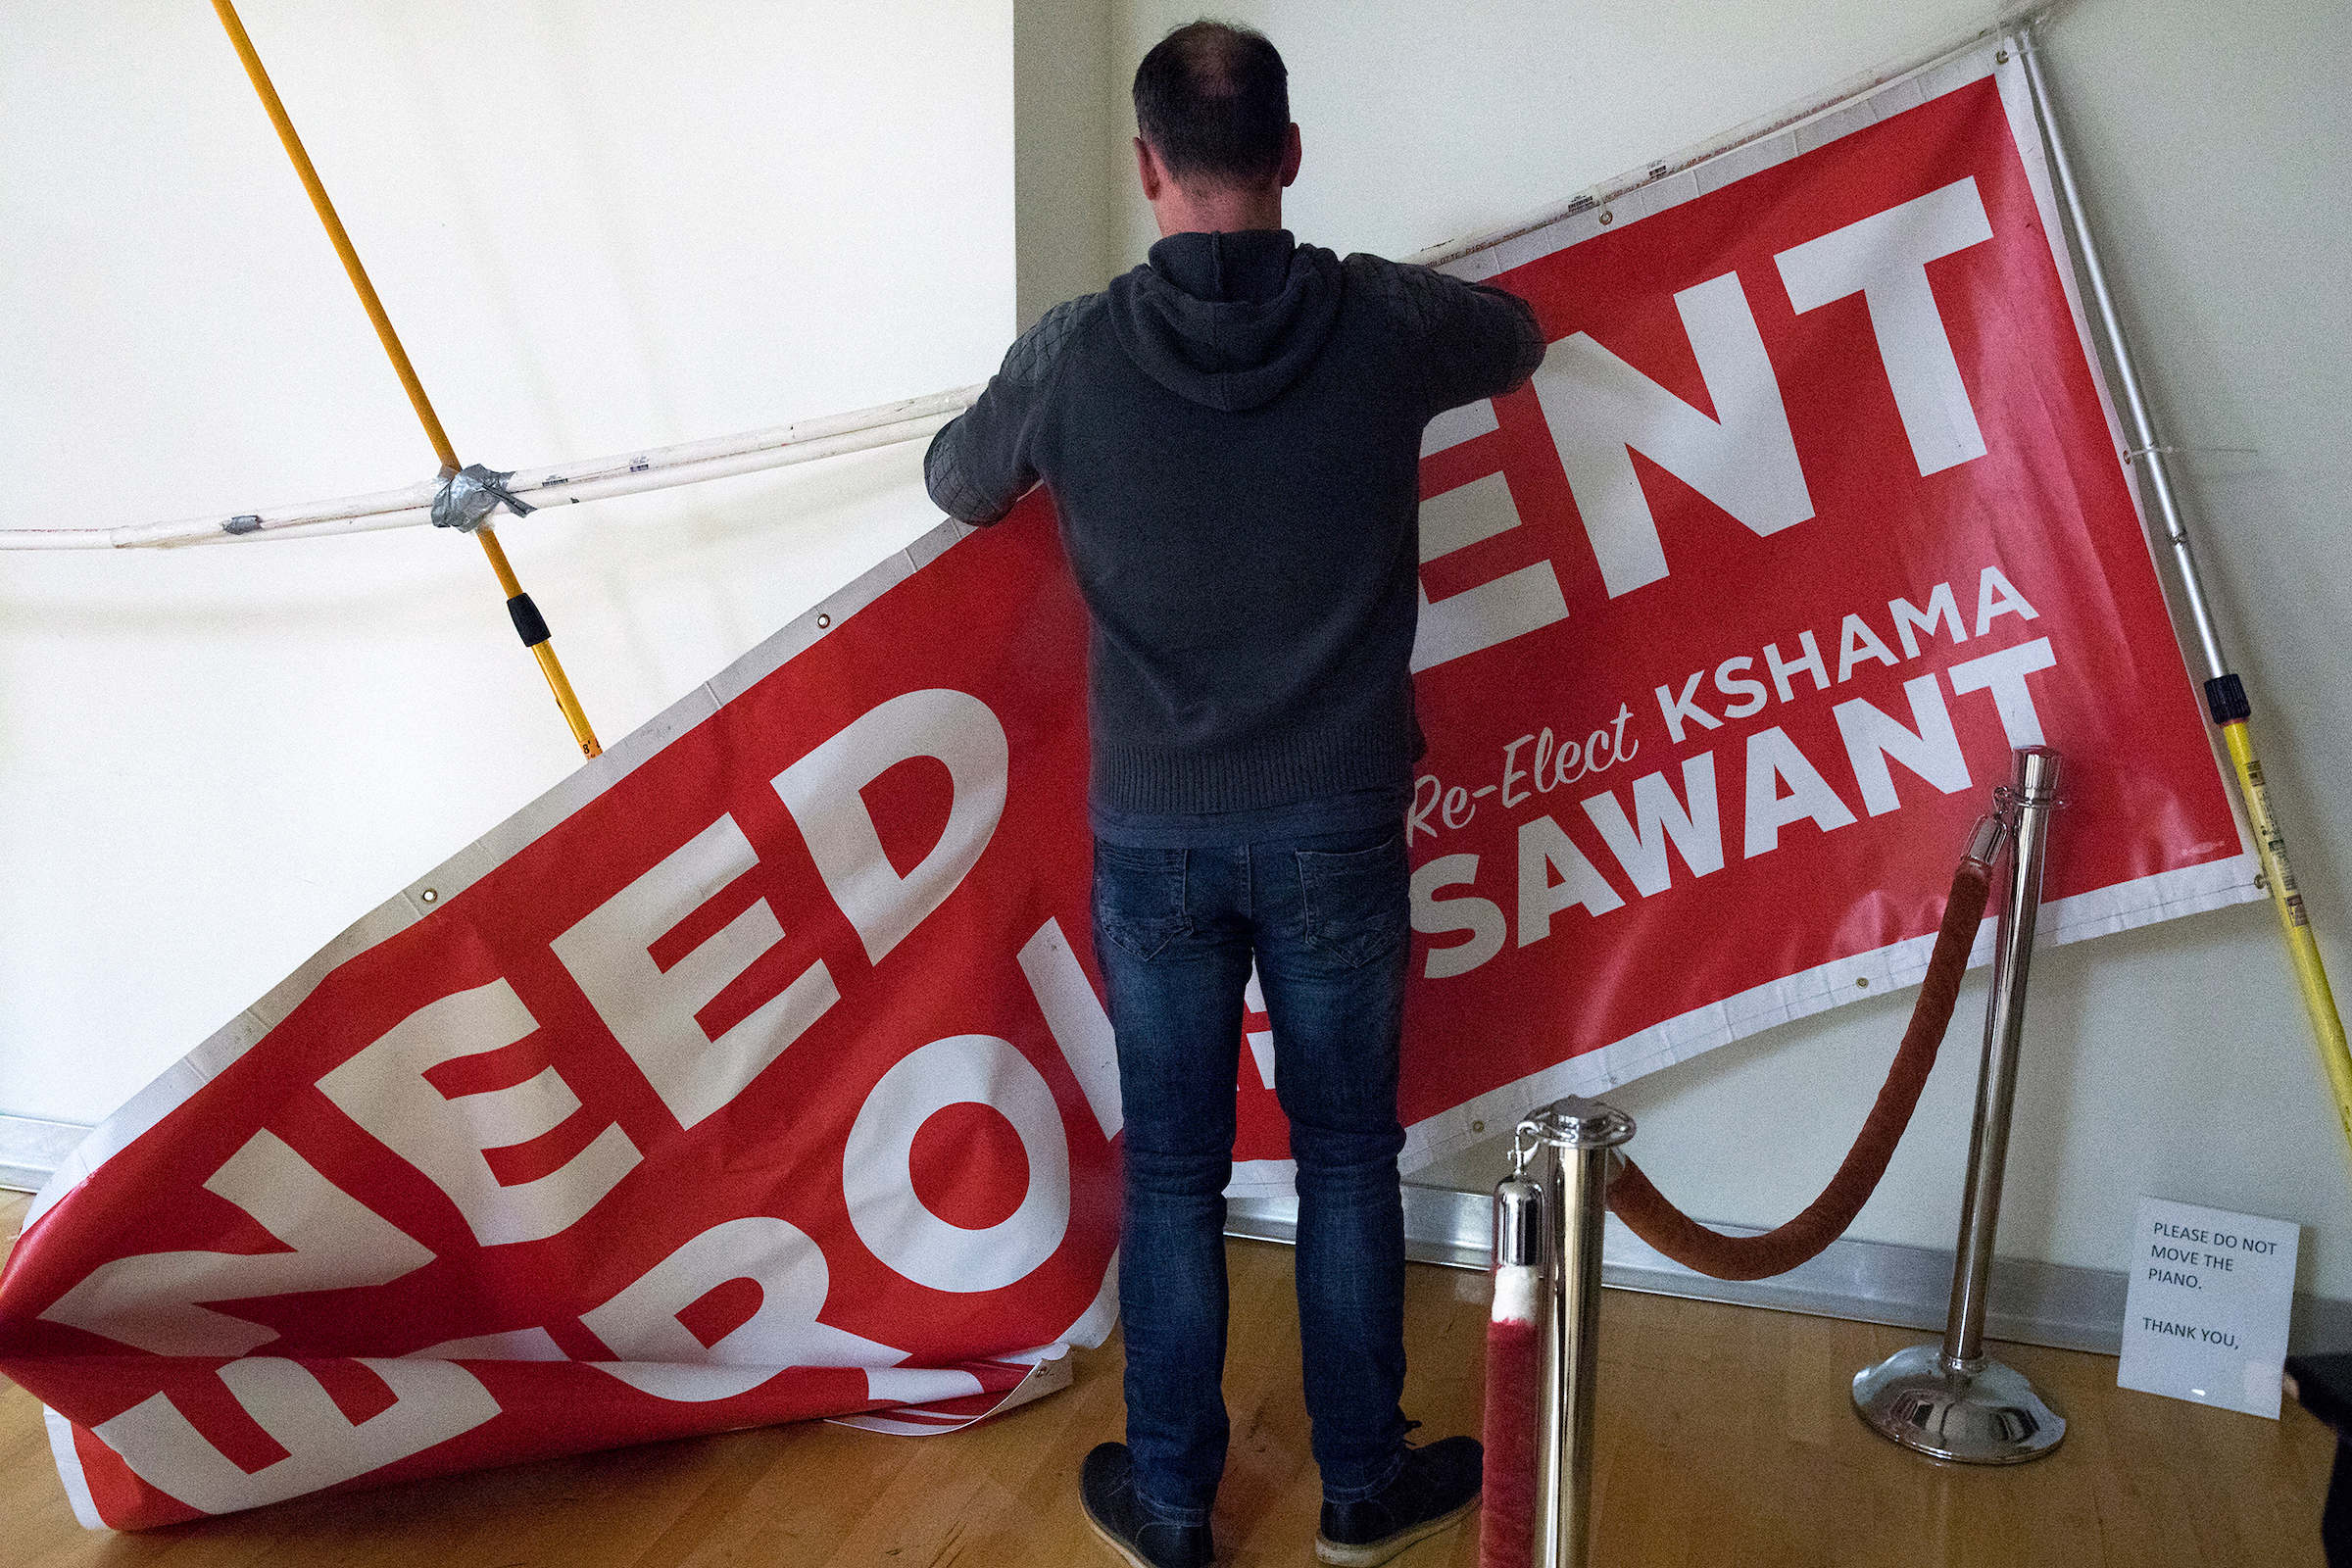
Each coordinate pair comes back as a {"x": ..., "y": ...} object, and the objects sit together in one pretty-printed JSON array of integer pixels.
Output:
[{"x": 1725, "y": 1437}]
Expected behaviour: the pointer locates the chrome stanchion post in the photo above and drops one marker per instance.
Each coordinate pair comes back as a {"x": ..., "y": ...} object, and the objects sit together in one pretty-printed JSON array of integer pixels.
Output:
[
  {"x": 2032, "y": 798},
  {"x": 1577, "y": 1136},
  {"x": 1952, "y": 1400}
]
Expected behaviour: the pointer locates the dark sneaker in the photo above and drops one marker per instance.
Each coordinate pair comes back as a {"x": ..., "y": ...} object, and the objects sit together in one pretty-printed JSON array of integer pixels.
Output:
[
  {"x": 1438, "y": 1485},
  {"x": 1107, "y": 1489}
]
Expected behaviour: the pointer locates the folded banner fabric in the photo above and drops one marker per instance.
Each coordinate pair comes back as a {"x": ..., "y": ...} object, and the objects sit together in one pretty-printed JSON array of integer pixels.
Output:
[
  {"x": 751, "y": 1075},
  {"x": 759, "y": 1072}
]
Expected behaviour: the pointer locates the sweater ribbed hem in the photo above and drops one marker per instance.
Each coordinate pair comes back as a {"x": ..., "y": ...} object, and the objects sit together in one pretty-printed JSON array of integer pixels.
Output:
[
  {"x": 1357, "y": 810},
  {"x": 1146, "y": 779}
]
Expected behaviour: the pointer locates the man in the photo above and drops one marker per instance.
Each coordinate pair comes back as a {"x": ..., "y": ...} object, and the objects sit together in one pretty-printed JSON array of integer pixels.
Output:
[{"x": 1231, "y": 435}]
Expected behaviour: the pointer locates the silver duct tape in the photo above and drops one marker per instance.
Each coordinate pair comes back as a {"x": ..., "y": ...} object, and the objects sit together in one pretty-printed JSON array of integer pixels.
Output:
[{"x": 468, "y": 496}]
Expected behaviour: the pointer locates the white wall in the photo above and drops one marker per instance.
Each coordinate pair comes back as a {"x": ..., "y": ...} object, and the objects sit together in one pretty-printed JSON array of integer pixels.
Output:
[
  {"x": 2174, "y": 1060},
  {"x": 598, "y": 226}
]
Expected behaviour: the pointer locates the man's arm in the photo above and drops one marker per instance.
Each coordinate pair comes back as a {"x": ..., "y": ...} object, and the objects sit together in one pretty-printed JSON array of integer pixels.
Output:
[
  {"x": 1473, "y": 340},
  {"x": 980, "y": 465},
  {"x": 974, "y": 468},
  {"x": 1524, "y": 333}
]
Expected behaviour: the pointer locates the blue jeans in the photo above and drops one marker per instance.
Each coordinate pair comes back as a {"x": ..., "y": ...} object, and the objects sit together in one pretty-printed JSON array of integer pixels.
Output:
[{"x": 1175, "y": 932}]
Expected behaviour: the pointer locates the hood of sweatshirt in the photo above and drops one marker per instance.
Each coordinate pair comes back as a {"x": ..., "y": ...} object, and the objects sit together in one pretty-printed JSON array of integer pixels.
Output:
[{"x": 1227, "y": 321}]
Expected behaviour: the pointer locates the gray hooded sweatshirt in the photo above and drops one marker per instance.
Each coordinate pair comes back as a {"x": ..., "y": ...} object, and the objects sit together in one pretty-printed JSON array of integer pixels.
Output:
[{"x": 1231, "y": 437}]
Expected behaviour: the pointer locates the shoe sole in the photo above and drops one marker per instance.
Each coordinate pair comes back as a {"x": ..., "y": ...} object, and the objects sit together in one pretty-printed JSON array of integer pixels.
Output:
[
  {"x": 1120, "y": 1549},
  {"x": 1374, "y": 1552}
]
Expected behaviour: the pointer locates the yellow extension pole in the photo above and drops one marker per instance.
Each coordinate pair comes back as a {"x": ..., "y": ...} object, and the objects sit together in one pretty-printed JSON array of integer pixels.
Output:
[
  {"x": 2224, "y": 693},
  {"x": 519, "y": 604},
  {"x": 2318, "y": 1001}
]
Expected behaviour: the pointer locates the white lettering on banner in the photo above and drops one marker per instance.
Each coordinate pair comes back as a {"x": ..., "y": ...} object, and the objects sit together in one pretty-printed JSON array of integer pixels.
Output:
[
  {"x": 1543, "y": 850},
  {"x": 878, "y": 1178},
  {"x": 433, "y": 1402},
  {"x": 2004, "y": 675},
  {"x": 1435, "y": 916},
  {"x": 1457, "y": 518},
  {"x": 384, "y": 1089},
  {"x": 1601, "y": 410},
  {"x": 1552, "y": 764},
  {"x": 1933, "y": 751},
  {"x": 1781, "y": 670},
  {"x": 1074, "y": 1017},
  {"x": 651, "y": 1010},
  {"x": 820, "y": 790},
  {"x": 335, "y": 1242},
  {"x": 1858, "y": 643},
  {"x": 1640, "y": 845},
  {"x": 506, "y": 1344},
  {"x": 1772, "y": 760},
  {"x": 1456, "y": 425},
  {"x": 1942, "y": 610},
  {"x": 1751, "y": 692},
  {"x": 1493, "y": 611},
  {"x": 1691, "y": 824},
  {"x": 1996, "y": 597},
  {"x": 1884, "y": 259},
  {"x": 1782, "y": 785},
  {"x": 664, "y": 1357},
  {"x": 1677, "y": 709}
]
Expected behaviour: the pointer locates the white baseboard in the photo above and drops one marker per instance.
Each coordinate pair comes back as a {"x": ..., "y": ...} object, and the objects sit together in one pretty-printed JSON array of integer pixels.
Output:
[
  {"x": 1867, "y": 1281},
  {"x": 30, "y": 1150}
]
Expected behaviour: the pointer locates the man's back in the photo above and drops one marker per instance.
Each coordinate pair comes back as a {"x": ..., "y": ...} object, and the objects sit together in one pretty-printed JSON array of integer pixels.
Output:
[{"x": 1231, "y": 437}]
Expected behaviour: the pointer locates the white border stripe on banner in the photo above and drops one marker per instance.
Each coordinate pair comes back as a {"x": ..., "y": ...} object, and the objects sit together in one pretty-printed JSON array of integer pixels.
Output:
[
  {"x": 68, "y": 1470},
  {"x": 2187, "y": 890},
  {"x": 1642, "y": 199}
]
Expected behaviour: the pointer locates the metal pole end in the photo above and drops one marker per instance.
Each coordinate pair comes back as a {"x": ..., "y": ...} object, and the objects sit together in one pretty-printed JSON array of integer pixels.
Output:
[
  {"x": 2036, "y": 771},
  {"x": 1518, "y": 1239},
  {"x": 1579, "y": 1123}
]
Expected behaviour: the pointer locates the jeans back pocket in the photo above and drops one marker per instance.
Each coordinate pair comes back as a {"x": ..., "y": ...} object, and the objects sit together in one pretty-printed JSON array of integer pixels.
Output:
[
  {"x": 1138, "y": 897},
  {"x": 1355, "y": 903}
]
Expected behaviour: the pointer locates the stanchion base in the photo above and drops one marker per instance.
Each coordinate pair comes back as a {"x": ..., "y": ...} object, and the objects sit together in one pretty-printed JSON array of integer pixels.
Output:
[{"x": 1989, "y": 1416}]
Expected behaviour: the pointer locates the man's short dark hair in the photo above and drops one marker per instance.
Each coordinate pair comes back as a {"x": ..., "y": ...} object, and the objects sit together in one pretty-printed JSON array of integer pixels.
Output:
[{"x": 1214, "y": 102}]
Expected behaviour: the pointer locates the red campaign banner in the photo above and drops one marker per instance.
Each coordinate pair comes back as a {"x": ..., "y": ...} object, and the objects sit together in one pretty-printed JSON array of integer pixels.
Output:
[
  {"x": 759, "y": 1072},
  {"x": 1814, "y": 512},
  {"x": 750, "y": 1076}
]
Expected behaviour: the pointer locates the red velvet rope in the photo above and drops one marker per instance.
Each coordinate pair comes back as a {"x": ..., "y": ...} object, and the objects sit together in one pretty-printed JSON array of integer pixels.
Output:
[{"x": 1649, "y": 1215}]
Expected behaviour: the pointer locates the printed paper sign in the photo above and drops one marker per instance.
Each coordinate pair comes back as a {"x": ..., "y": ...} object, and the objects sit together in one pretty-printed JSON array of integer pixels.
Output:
[{"x": 2205, "y": 1316}]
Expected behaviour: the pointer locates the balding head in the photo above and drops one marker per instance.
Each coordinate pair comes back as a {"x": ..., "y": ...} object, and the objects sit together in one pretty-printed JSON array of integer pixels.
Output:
[{"x": 1213, "y": 100}]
